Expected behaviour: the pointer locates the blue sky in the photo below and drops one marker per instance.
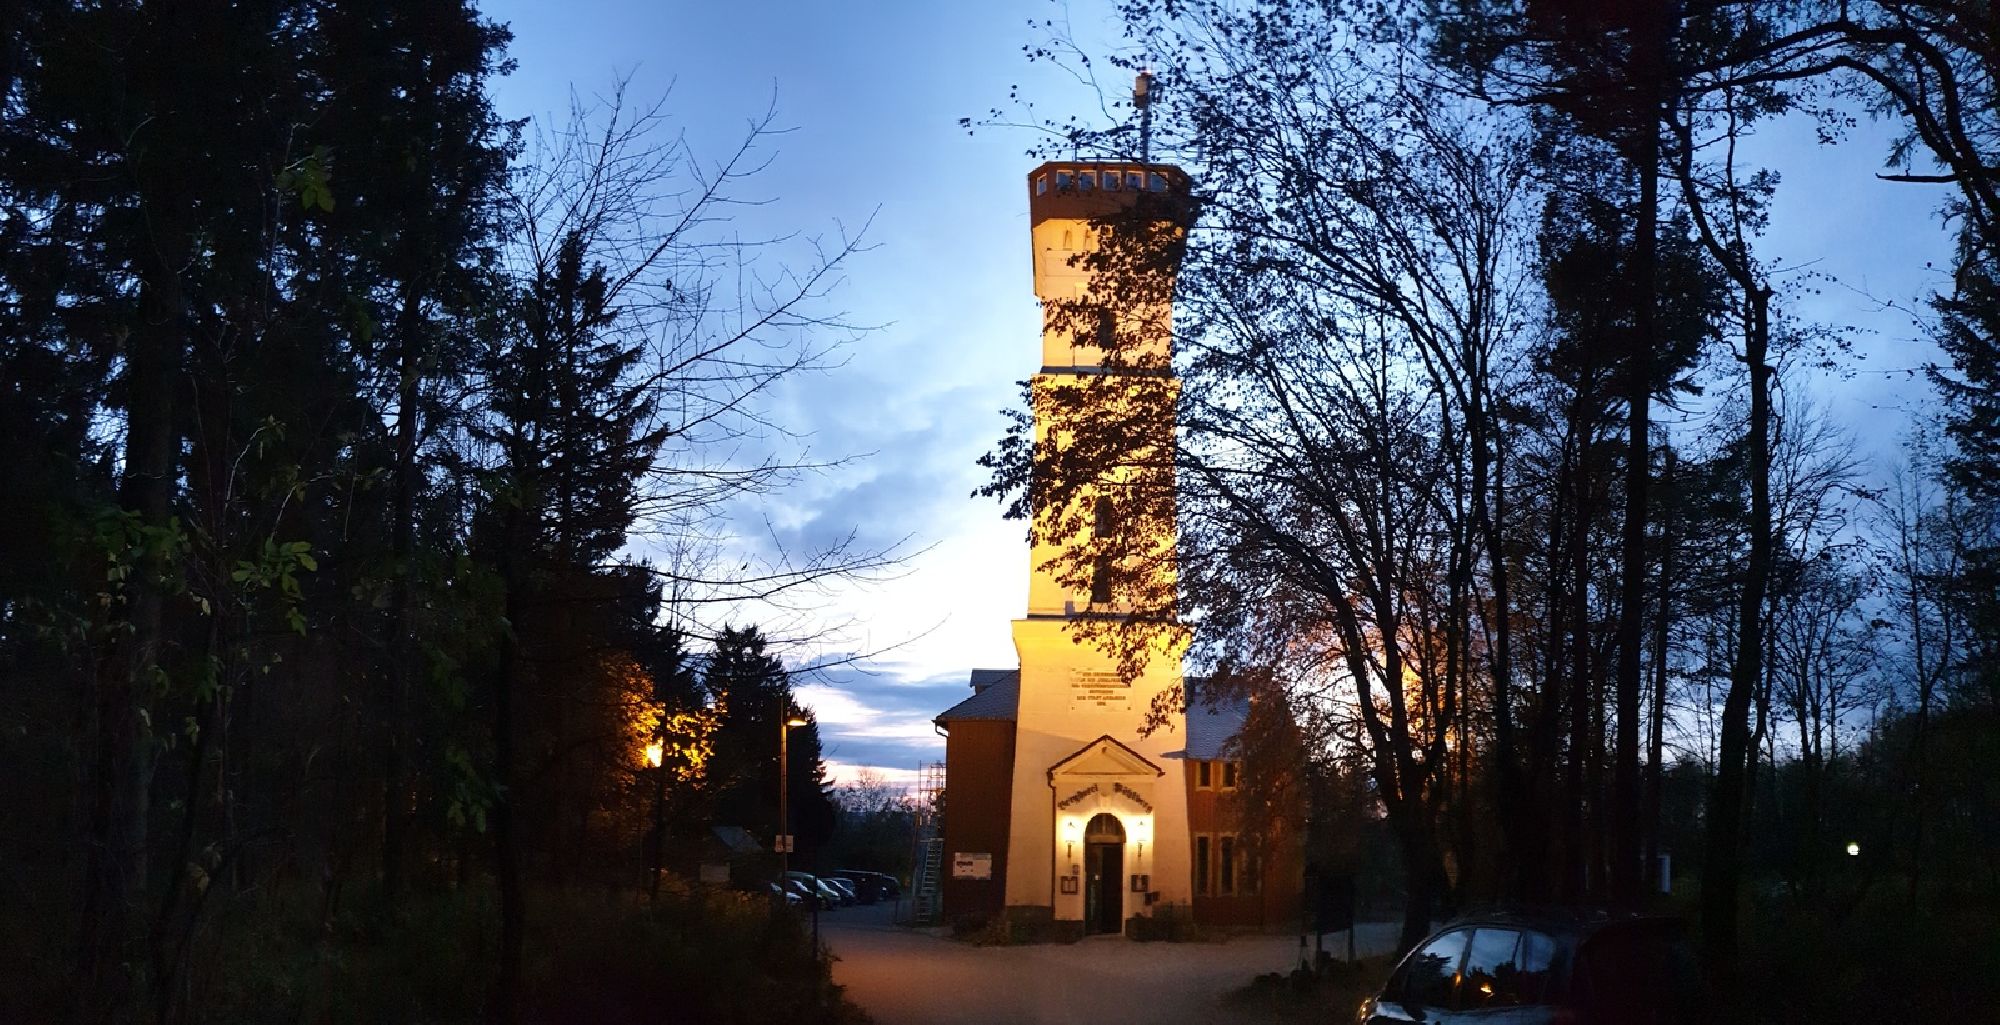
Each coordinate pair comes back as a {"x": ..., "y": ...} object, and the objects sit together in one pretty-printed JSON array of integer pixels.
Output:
[{"x": 872, "y": 91}]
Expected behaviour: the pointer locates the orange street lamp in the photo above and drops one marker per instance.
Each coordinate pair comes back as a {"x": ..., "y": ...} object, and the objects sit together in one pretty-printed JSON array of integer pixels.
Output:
[{"x": 784, "y": 843}]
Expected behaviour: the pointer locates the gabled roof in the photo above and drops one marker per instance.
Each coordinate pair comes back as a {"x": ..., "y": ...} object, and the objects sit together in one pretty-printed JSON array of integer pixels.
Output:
[
  {"x": 1211, "y": 728},
  {"x": 1105, "y": 756},
  {"x": 736, "y": 839},
  {"x": 996, "y": 697},
  {"x": 984, "y": 678}
]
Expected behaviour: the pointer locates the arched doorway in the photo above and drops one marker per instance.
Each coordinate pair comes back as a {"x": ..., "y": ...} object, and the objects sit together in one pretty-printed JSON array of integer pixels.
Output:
[{"x": 1104, "y": 866}]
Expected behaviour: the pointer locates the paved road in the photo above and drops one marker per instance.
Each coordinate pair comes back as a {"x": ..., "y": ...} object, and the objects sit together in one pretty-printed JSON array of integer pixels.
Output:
[{"x": 909, "y": 977}]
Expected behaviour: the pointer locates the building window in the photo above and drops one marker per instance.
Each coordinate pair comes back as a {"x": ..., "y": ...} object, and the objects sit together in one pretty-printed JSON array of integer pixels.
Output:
[
  {"x": 1100, "y": 581},
  {"x": 1107, "y": 327},
  {"x": 1157, "y": 183},
  {"x": 1134, "y": 182},
  {"x": 1226, "y": 869},
  {"x": 1068, "y": 242},
  {"x": 1228, "y": 775},
  {"x": 1111, "y": 179},
  {"x": 1065, "y": 181},
  {"x": 1102, "y": 524},
  {"x": 1201, "y": 864},
  {"x": 1086, "y": 180},
  {"x": 1041, "y": 184},
  {"x": 1202, "y": 779}
]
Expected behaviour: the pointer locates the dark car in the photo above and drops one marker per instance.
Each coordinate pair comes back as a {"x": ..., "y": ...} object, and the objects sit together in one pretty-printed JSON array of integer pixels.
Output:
[
  {"x": 869, "y": 886},
  {"x": 1581, "y": 967},
  {"x": 885, "y": 886}
]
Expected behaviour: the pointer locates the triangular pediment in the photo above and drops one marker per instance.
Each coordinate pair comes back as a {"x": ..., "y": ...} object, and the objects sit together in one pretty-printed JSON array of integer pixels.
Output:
[{"x": 1105, "y": 757}]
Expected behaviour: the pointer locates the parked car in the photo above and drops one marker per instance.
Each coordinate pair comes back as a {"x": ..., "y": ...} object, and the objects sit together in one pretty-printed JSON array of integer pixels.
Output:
[
  {"x": 826, "y": 896},
  {"x": 773, "y": 891},
  {"x": 809, "y": 895},
  {"x": 1575, "y": 967},
  {"x": 867, "y": 889},
  {"x": 886, "y": 886},
  {"x": 842, "y": 887}
]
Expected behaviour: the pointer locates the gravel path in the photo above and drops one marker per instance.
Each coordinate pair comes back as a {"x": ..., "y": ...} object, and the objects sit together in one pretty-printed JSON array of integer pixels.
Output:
[{"x": 912, "y": 977}]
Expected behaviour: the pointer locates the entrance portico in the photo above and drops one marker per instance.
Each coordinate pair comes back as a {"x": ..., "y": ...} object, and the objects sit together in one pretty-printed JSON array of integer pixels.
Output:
[{"x": 1104, "y": 827}]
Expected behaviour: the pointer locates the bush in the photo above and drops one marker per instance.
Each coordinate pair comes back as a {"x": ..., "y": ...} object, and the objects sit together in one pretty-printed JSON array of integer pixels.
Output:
[
  {"x": 698, "y": 956},
  {"x": 1172, "y": 923}
]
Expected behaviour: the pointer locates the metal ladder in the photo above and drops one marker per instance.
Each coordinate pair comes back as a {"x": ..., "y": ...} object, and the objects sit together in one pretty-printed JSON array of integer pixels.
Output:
[
  {"x": 927, "y": 904},
  {"x": 927, "y": 886}
]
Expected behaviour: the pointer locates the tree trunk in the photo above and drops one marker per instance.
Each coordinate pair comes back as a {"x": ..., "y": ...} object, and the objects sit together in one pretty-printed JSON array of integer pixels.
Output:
[
  {"x": 506, "y": 852},
  {"x": 115, "y": 865},
  {"x": 402, "y": 546},
  {"x": 1721, "y": 865},
  {"x": 1624, "y": 867}
]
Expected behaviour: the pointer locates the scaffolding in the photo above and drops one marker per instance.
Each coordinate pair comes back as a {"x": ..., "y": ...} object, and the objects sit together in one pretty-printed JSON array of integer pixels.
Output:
[{"x": 927, "y": 881}]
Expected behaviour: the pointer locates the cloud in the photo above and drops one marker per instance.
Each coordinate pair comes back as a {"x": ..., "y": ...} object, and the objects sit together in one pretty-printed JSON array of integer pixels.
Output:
[{"x": 879, "y": 716}]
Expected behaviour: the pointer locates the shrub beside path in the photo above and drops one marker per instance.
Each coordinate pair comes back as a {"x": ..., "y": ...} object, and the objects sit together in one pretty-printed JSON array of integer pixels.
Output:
[{"x": 912, "y": 977}]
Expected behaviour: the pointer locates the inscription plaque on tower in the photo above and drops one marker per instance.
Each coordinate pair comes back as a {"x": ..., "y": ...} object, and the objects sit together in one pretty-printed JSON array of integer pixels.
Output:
[{"x": 1092, "y": 691}]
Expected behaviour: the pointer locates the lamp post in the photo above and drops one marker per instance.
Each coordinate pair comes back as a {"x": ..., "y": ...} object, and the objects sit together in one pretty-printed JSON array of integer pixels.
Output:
[
  {"x": 785, "y": 727},
  {"x": 656, "y": 757}
]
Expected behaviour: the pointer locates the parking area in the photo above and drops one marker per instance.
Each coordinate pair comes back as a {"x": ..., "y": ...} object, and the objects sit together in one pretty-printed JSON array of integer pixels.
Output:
[{"x": 918, "y": 977}]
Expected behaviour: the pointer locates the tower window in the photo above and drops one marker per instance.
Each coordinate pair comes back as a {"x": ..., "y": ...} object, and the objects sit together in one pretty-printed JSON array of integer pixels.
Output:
[
  {"x": 1158, "y": 183},
  {"x": 1065, "y": 181},
  {"x": 1086, "y": 180},
  {"x": 1041, "y": 184},
  {"x": 1111, "y": 180},
  {"x": 1134, "y": 181}
]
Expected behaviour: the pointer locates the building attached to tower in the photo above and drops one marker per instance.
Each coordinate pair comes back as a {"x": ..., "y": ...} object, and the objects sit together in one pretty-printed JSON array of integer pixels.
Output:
[{"x": 1057, "y": 804}]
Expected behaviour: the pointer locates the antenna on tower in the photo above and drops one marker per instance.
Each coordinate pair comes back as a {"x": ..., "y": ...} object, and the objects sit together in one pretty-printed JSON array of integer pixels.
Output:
[{"x": 1142, "y": 89}]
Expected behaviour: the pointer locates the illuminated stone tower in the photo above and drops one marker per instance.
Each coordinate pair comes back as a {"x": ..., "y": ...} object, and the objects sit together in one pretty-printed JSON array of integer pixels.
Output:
[{"x": 1099, "y": 813}]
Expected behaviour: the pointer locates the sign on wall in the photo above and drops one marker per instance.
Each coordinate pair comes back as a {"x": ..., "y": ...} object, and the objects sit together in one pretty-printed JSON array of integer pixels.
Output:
[
  {"x": 971, "y": 866},
  {"x": 1098, "y": 692}
]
